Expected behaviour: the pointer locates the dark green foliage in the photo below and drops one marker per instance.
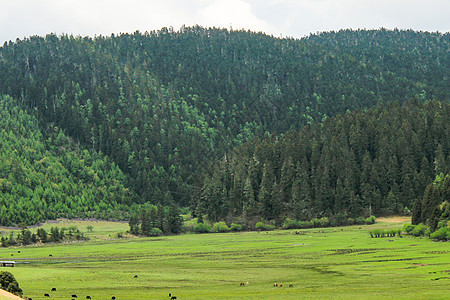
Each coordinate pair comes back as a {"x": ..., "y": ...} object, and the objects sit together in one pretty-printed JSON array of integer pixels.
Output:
[
  {"x": 375, "y": 162},
  {"x": 377, "y": 233},
  {"x": 9, "y": 283},
  {"x": 434, "y": 208},
  {"x": 152, "y": 220},
  {"x": 161, "y": 105}
]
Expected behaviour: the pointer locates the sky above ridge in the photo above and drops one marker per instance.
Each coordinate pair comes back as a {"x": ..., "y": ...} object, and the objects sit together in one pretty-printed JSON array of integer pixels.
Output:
[{"x": 293, "y": 18}]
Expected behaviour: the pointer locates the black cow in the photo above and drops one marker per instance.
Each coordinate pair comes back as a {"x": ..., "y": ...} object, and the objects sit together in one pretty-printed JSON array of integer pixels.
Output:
[
  {"x": 173, "y": 298},
  {"x": 170, "y": 295},
  {"x": 135, "y": 276},
  {"x": 46, "y": 295},
  {"x": 74, "y": 296},
  {"x": 18, "y": 251},
  {"x": 50, "y": 255},
  {"x": 113, "y": 298},
  {"x": 88, "y": 297},
  {"x": 53, "y": 289}
]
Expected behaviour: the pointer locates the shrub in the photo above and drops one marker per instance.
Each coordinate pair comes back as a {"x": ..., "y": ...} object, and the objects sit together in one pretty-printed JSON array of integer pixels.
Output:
[
  {"x": 420, "y": 229},
  {"x": 370, "y": 220},
  {"x": 315, "y": 222},
  {"x": 220, "y": 227},
  {"x": 408, "y": 228},
  {"x": 289, "y": 224},
  {"x": 360, "y": 221},
  {"x": 350, "y": 221},
  {"x": 442, "y": 234},
  {"x": 202, "y": 228},
  {"x": 155, "y": 232},
  {"x": 305, "y": 224},
  {"x": 324, "y": 222},
  {"x": 235, "y": 227},
  {"x": 262, "y": 226}
]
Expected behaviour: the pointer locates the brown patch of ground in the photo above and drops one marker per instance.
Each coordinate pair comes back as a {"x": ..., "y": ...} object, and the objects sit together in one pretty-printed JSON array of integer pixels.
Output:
[
  {"x": 7, "y": 295},
  {"x": 394, "y": 219}
]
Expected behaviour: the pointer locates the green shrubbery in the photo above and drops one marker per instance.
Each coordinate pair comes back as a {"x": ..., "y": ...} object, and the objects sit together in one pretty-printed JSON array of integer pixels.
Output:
[
  {"x": 202, "y": 228},
  {"x": 377, "y": 233},
  {"x": 442, "y": 234},
  {"x": 220, "y": 227},
  {"x": 261, "y": 226}
]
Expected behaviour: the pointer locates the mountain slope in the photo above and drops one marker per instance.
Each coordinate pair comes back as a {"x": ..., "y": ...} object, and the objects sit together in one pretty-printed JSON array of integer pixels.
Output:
[
  {"x": 163, "y": 104},
  {"x": 45, "y": 178},
  {"x": 376, "y": 162}
]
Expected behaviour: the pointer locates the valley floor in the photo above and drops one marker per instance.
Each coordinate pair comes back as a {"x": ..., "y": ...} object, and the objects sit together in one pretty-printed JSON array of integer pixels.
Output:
[{"x": 320, "y": 263}]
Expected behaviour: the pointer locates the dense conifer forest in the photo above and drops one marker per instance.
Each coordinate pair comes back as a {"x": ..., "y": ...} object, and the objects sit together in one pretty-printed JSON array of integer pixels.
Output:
[{"x": 91, "y": 126}]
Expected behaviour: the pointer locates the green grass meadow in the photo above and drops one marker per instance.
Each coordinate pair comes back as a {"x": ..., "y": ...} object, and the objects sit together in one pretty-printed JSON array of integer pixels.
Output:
[{"x": 328, "y": 263}]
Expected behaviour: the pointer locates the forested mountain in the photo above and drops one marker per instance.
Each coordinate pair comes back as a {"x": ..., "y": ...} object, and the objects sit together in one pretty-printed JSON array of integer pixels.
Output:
[
  {"x": 163, "y": 105},
  {"x": 376, "y": 162},
  {"x": 45, "y": 177}
]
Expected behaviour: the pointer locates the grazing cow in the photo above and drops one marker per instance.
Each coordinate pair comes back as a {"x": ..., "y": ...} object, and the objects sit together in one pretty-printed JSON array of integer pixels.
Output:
[
  {"x": 291, "y": 285},
  {"x": 12, "y": 254},
  {"x": 246, "y": 283},
  {"x": 173, "y": 298},
  {"x": 53, "y": 289},
  {"x": 281, "y": 285},
  {"x": 46, "y": 295},
  {"x": 88, "y": 297},
  {"x": 170, "y": 295},
  {"x": 18, "y": 251},
  {"x": 113, "y": 298},
  {"x": 135, "y": 276},
  {"x": 74, "y": 296},
  {"x": 242, "y": 283},
  {"x": 50, "y": 255},
  {"x": 297, "y": 232},
  {"x": 275, "y": 284}
]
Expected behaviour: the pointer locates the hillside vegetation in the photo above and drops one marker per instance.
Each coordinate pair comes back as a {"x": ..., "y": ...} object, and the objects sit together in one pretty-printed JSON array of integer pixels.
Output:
[{"x": 162, "y": 106}]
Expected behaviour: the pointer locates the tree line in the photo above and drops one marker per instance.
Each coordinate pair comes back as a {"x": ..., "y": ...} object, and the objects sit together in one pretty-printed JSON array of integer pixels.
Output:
[{"x": 361, "y": 163}]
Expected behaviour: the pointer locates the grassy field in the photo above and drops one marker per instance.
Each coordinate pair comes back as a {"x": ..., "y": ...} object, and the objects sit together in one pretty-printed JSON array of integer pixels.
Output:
[{"x": 329, "y": 263}]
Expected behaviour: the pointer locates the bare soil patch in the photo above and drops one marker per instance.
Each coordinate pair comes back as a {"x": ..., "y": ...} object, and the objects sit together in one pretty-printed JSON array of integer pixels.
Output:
[
  {"x": 7, "y": 295},
  {"x": 394, "y": 219}
]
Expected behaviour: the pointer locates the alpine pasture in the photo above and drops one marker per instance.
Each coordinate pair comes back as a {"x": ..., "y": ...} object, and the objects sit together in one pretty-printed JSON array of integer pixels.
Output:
[{"x": 322, "y": 263}]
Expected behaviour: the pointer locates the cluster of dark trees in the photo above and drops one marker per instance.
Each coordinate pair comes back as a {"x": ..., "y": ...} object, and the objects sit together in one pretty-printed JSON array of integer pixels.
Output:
[
  {"x": 9, "y": 283},
  {"x": 434, "y": 208},
  {"x": 160, "y": 106},
  {"x": 361, "y": 163},
  {"x": 154, "y": 220},
  {"x": 26, "y": 237}
]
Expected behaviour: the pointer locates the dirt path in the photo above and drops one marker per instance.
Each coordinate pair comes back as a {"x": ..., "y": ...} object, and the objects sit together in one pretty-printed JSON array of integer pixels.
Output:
[
  {"x": 394, "y": 219},
  {"x": 7, "y": 295}
]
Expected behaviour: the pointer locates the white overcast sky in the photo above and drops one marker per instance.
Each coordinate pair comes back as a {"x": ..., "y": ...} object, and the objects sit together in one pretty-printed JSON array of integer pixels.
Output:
[{"x": 294, "y": 18}]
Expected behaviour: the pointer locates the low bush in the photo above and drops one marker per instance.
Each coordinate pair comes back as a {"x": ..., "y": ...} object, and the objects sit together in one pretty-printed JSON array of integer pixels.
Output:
[
  {"x": 420, "y": 230},
  {"x": 442, "y": 234},
  {"x": 220, "y": 227},
  {"x": 202, "y": 228},
  {"x": 155, "y": 232},
  {"x": 261, "y": 226},
  {"x": 370, "y": 220},
  {"x": 290, "y": 224},
  {"x": 235, "y": 227}
]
